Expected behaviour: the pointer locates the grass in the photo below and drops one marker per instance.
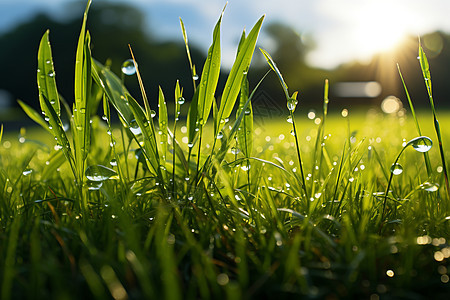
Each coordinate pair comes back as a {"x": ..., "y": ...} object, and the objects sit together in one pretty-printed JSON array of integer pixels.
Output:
[{"x": 225, "y": 207}]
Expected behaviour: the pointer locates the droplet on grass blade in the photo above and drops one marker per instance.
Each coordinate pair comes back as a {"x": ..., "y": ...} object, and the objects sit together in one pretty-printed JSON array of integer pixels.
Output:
[
  {"x": 195, "y": 77},
  {"x": 128, "y": 67},
  {"x": 220, "y": 135},
  {"x": 289, "y": 119},
  {"x": 292, "y": 104},
  {"x": 94, "y": 185},
  {"x": 99, "y": 173},
  {"x": 429, "y": 187},
  {"x": 396, "y": 169},
  {"x": 421, "y": 143},
  {"x": 27, "y": 172},
  {"x": 181, "y": 100},
  {"x": 134, "y": 128}
]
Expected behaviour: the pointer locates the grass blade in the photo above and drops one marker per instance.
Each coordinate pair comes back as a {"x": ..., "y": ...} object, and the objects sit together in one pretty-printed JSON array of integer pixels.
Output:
[
  {"x": 427, "y": 78},
  {"x": 163, "y": 123},
  {"x": 245, "y": 131},
  {"x": 34, "y": 115},
  {"x": 240, "y": 66},
  {"x": 188, "y": 52},
  {"x": 413, "y": 112}
]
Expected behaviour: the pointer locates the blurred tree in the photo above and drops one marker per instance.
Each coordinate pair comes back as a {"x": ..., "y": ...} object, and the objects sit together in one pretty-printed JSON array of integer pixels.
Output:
[{"x": 112, "y": 26}]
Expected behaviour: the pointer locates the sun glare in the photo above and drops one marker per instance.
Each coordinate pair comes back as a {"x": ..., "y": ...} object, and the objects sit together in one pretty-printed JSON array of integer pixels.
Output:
[{"x": 380, "y": 28}]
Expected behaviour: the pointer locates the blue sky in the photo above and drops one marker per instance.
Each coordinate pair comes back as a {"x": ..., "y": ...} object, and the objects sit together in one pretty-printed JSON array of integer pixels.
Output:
[{"x": 342, "y": 30}]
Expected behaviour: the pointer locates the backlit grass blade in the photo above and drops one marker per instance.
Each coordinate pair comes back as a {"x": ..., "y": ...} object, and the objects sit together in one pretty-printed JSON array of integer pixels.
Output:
[
  {"x": 245, "y": 131},
  {"x": 234, "y": 80},
  {"x": 210, "y": 77},
  {"x": 274, "y": 67},
  {"x": 81, "y": 113},
  {"x": 163, "y": 123},
  {"x": 427, "y": 78},
  {"x": 188, "y": 52},
  {"x": 413, "y": 112},
  {"x": 150, "y": 146},
  {"x": 1, "y": 133},
  {"x": 46, "y": 73},
  {"x": 191, "y": 122},
  {"x": 34, "y": 115},
  {"x": 114, "y": 90}
]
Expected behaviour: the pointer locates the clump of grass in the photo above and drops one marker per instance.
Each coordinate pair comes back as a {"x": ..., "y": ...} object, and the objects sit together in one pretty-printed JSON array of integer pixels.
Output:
[{"x": 210, "y": 208}]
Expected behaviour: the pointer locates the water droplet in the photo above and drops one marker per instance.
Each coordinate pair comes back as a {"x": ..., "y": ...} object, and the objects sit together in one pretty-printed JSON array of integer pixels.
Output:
[
  {"x": 134, "y": 128},
  {"x": 181, "y": 100},
  {"x": 51, "y": 74},
  {"x": 195, "y": 77},
  {"x": 291, "y": 104},
  {"x": 190, "y": 198},
  {"x": 104, "y": 118},
  {"x": 47, "y": 119},
  {"x": 113, "y": 162},
  {"x": 220, "y": 135},
  {"x": 152, "y": 114},
  {"x": 247, "y": 111},
  {"x": 429, "y": 187},
  {"x": 190, "y": 145},
  {"x": 292, "y": 132},
  {"x": 396, "y": 169},
  {"x": 234, "y": 150},
  {"x": 99, "y": 173},
  {"x": 289, "y": 119},
  {"x": 128, "y": 67},
  {"x": 94, "y": 185},
  {"x": 421, "y": 143},
  {"x": 79, "y": 127},
  {"x": 27, "y": 172}
]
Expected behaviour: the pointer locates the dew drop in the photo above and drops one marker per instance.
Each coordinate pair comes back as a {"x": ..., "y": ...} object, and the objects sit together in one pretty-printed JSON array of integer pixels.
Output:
[
  {"x": 292, "y": 132},
  {"x": 128, "y": 67},
  {"x": 190, "y": 145},
  {"x": 134, "y": 128},
  {"x": 421, "y": 144},
  {"x": 113, "y": 162},
  {"x": 51, "y": 74},
  {"x": 247, "y": 111},
  {"x": 220, "y": 135},
  {"x": 234, "y": 150},
  {"x": 181, "y": 100},
  {"x": 289, "y": 119},
  {"x": 94, "y": 185},
  {"x": 396, "y": 169},
  {"x": 195, "y": 77},
  {"x": 47, "y": 119},
  {"x": 99, "y": 173},
  {"x": 429, "y": 187},
  {"x": 291, "y": 104},
  {"x": 152, "y": 114},
  {"x": 27, "y": 172}
]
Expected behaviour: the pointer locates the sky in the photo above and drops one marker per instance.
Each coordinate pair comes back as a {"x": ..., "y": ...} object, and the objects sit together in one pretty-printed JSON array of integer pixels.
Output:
[{"x": 342, "y": 30}]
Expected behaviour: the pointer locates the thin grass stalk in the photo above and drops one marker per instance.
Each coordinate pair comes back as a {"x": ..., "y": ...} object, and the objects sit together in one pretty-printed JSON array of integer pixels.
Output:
[
  {"x": 427, "y": 78},
  {"x": 411, "y": 106}
]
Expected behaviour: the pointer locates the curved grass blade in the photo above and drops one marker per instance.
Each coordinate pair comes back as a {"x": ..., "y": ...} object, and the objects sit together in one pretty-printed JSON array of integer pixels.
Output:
[
  {"x": 274, "y": 67},
  {"x": 234, "y": 80},
  {"x": 413, "y": 112},
  {"x": 34, "y": 115},
  {"x": 114, "y": 90},
  {"x": 46, "y": 73},
  {"x": 210, "y": 76},
  {"x": 81, "y": 112},
  {"x": 427, "y": 78},
  {"x": 149, "y": 147},
  {"x": 245, "y": 130},
  {"x": 163, "y": 123},
  {"x": 191, "y": 66}
]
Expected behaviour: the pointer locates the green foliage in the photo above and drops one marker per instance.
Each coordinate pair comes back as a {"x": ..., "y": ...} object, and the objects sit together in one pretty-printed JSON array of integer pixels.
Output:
[{"x": 227, "y": 224}]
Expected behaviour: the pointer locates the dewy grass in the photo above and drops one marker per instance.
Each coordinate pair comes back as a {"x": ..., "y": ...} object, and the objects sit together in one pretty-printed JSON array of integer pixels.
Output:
[{"x": 154, "y": 208}]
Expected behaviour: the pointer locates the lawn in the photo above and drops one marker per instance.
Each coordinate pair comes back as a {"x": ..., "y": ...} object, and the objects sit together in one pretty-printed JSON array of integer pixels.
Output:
[{"x": 219, "y": 204}]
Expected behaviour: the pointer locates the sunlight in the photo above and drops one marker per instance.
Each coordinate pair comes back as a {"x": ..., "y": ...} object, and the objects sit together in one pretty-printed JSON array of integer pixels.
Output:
[{"x": 380, "y": 28}]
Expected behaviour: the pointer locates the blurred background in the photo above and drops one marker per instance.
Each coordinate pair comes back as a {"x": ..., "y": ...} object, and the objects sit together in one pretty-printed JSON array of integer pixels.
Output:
[{"x": 355, "y": 44}]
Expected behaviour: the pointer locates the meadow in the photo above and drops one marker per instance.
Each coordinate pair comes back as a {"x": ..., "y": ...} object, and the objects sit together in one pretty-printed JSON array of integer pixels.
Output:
[{"x": 220, "y": 203}]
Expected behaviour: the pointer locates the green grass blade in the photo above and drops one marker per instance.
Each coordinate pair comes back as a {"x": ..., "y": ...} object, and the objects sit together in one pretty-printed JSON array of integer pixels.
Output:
[
  {"x": 81, "y": 113},
  {"x": 9, "y": 269},
  {"x": 427, "y": 78},
  {"x": 46, "y": 73},
  {"x": 210, "y": 77},
  {"x": 240, "y": 66},
  {"x": 413, "y": 112},
  {"x": 114, "y": 90},
  {"x": 1, "y": 133},
  {"x": 245, "y": 131},
  {"x": 150, "y": 146},
  {"x": 188, "y": 52},
  {"x": 192, "y": 124},
  {"x": 274, "y": 67},
  {"x": 163, "y": 123},
  {"x": 34, "y": 115}
]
